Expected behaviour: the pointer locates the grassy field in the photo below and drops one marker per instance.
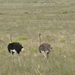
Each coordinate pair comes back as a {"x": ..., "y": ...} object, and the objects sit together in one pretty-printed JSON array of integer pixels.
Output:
[{"x": 25, "y": 19}]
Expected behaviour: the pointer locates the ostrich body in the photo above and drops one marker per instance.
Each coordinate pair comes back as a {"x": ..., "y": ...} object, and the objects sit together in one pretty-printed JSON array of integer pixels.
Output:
[
  {"x": 15, "y": 47},
  {"x": 44, "y": 48}
]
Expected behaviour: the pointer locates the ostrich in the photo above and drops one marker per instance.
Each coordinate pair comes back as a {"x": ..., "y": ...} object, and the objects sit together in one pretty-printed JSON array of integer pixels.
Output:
[
  {"x": 44, "y": 48},
  {"x": 15, "y": 47}
]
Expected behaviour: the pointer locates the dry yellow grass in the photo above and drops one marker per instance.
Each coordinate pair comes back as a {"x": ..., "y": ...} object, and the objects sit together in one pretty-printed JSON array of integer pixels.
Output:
[{"x": 54, "y": 20}]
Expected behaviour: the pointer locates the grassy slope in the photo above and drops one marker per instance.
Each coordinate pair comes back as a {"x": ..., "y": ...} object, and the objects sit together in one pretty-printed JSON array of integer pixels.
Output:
[{"x": 54, "y": 19}]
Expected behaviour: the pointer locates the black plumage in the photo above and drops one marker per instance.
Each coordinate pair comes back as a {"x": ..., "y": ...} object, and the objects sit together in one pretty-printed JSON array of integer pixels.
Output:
[{"x": 15, "y": 47}]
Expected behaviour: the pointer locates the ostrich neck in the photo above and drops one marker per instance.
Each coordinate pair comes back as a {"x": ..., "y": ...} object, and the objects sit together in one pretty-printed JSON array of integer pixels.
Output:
[
  {"x": 10, "y": 38},
  {"x": 40, "y": 40}
]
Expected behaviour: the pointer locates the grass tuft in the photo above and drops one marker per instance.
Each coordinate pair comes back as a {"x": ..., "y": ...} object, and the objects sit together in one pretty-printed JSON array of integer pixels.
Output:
[
  {"x": 62, "y": 40},
  {"x": 26, "y": 12},
  {"x": 33, "y": 50},
  {"x": 22, "y": 38},
  {"x": 2, "y": 51}
]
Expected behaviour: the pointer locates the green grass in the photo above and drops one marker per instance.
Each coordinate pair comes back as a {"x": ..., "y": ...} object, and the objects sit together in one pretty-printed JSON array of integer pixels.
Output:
[
  {"x": 25, "y": 19},
  {"x": 22, "y": 38}
]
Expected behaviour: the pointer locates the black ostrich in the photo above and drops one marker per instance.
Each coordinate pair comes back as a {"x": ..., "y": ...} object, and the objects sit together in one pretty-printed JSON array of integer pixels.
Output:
[
  {"x": 44, "y": 48},
  {"x": 15, "y": 47}
]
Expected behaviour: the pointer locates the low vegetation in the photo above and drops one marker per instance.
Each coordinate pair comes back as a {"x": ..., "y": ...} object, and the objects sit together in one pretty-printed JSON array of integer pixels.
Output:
[{"x": 25, "y": 19}]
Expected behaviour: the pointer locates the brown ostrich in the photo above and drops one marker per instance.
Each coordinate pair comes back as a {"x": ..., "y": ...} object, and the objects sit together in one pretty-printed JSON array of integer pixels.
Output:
[{"x": 44, "y": 48}]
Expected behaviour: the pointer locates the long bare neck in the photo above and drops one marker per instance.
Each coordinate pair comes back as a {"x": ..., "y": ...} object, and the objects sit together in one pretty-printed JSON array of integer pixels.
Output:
[
  {"x": 40, "y": 39},
  {"x": 10, "y": 38}
]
